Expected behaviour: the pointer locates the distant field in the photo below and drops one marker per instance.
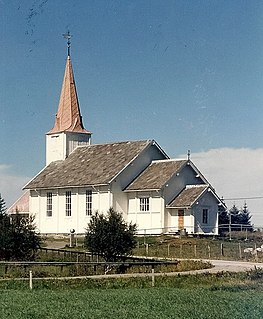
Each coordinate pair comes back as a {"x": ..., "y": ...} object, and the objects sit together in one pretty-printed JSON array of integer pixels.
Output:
[{"x": 132, "y": 303}]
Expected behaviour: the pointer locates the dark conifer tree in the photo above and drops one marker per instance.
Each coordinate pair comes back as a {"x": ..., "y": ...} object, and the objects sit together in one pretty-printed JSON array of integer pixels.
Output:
[{"x": 2, "y": 205}]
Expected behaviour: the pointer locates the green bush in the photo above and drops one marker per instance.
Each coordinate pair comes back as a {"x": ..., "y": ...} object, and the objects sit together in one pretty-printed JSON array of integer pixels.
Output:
[
  {"x": 110, "y": 236},
  {"x": 18, "y": 238}
]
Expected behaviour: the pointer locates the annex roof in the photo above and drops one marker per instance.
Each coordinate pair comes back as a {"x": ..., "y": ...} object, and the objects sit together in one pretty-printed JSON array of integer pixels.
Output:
[
  {"x": 89, "y": 165},
  {"x": 21, "y": 205},
  {"x": 188, "y": 196},
  {"x": 68, "y": 117},
  {"x": 156, "y": 175}
]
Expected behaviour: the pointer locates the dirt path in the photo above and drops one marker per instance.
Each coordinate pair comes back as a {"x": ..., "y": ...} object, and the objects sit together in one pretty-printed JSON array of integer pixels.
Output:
[{"x": 233, "y": 266}]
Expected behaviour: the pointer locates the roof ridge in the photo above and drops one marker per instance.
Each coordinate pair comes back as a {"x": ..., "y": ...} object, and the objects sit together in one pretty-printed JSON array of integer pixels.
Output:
[
  {"x": 169, "y": 160},
  {"x": 111, "y": 143},
  {"x": 197, "y": 185}
]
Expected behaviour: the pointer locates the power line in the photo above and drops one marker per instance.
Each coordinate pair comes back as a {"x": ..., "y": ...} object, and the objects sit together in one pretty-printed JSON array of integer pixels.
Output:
[{"x": 244, "y": 198}]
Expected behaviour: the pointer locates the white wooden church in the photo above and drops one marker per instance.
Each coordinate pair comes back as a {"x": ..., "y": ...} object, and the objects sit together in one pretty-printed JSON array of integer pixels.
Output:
[{"x": 136, "y": 178}]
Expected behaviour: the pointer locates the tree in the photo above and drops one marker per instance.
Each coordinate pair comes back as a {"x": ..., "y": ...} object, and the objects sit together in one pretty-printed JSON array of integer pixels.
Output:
[
  {"x": 240, "y": 217},
  {"x": 18, "y": 238},
  {"x": 2, "y": 205},
  {"x": 245, "y": 217},
  {"x": 236, "y": 217},
  {"x": 110, "y": 236}
]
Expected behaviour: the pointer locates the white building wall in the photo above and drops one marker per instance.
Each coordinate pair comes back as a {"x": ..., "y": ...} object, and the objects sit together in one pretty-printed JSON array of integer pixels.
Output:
[
  {"x": 208, "y": 201},
  {"x": 59, "y": 223},
  {"x": 148, "y": 222},
  {"x": 120, "y": 198},
  {"x": 55, "y": 147},
  {"x": 60, "y": 145},
  {"x": 172, "y": 224}
]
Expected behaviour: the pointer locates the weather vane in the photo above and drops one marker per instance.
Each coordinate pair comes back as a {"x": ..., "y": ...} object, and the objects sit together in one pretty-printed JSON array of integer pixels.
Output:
[{"x": 68, "y": 36}]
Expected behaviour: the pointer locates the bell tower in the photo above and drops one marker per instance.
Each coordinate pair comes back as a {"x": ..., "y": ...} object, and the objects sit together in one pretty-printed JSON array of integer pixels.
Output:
[{"x": 68, "y": 131}]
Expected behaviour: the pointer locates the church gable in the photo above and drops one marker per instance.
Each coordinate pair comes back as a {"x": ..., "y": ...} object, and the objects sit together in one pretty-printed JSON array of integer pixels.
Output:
[{"x": 156, "y": 175}]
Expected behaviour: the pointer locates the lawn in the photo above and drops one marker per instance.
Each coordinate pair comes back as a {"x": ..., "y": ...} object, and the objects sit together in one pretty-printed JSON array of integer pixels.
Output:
[
  {"x": 132, "y": 303},
  {"x": 222, "y": 295}
]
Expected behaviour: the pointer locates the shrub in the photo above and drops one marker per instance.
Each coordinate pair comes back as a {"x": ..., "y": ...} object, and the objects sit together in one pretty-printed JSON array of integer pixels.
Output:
[
  {"x": 18, "y": 238},
  {"x": 110, "y": 236}
]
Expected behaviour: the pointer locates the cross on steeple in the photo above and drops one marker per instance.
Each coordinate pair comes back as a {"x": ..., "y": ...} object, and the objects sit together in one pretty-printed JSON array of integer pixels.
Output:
[
  {"x": 188, "y": 155},
  {"x": 68, "y": 36}
]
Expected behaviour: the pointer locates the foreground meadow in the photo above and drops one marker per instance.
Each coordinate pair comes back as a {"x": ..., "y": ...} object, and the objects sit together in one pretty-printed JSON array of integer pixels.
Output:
[{"x": 204, "y": 296}]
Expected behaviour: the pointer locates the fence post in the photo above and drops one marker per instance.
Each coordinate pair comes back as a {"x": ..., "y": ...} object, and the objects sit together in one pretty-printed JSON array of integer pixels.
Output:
[
  {"x": 152, "y": 275},
  {"x": 30, "y": 280},
  {"x": 256, "y": 252},
  {"x": 181, "y": 250},
  {"x": 209, "y": 251},
  {"x": 240, "y": 251},
  {"x": 168, "y": 250},
  {"x": 195, "y": 251},
  {"x": 147, "y": 249},
  {"x": 222, "y": 249}
]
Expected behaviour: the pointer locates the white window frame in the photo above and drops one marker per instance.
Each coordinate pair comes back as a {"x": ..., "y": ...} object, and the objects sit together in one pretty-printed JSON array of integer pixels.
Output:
[
  {"x": 205, "y": 216},
  {"x": 88, "y": 202},
  {"x": 68, "y": 204},
  {"x": 144, "y": 204},
  {"x": 49, "y": 204}
]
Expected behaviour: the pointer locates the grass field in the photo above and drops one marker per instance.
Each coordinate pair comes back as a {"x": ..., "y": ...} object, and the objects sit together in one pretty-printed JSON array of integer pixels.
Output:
[
  {"x": 132, "y": 303},
  {"x": 224, "y": 295}
]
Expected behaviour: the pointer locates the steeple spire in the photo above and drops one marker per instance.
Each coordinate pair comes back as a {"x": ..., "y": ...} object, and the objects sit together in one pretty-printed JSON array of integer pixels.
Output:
[
  {"x": 68, "y": 131},
  {"x": 68, "y": 117}
]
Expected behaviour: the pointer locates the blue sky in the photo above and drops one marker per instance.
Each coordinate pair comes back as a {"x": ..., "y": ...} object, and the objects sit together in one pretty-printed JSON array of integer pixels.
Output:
[{"x": 187, "y": 73}]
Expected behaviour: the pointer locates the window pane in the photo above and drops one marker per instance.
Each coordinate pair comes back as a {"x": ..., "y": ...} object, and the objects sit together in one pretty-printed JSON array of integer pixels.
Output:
[
  {"x": 68, "y": 203},
  {"x": 88, "y": 202},
  {"x": 205, "y": 216},
  {"x": 49, "y": 204},
  {"x": 144, "y": 204}
]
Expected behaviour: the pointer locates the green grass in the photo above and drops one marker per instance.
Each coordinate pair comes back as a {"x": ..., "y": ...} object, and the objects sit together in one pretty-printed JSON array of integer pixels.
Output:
[
  {"x": 222, "y": 295},
  {"x": 83, "y": 270},
  {"x": 206, "y": 247},
  {"x": 131, "y": 303}
]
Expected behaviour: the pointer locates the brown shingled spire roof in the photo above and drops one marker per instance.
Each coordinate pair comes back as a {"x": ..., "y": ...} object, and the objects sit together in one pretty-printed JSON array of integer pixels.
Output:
[{"x": 68, "y": 117}]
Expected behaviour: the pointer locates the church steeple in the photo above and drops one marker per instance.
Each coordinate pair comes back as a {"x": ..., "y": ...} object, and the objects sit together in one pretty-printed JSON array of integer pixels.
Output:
[
  {"x": 68, "y": 131},
  {"x": 68, "y": 117}
]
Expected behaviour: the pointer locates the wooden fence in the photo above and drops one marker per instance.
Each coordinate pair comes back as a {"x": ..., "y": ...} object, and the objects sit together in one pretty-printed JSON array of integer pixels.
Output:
[{"x": 29, "y": 265}]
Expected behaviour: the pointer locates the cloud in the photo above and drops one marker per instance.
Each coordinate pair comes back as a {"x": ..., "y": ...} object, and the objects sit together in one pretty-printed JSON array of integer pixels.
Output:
[
  {"x": 235, "y": 173},
  {"x": 10, "y": 184}
]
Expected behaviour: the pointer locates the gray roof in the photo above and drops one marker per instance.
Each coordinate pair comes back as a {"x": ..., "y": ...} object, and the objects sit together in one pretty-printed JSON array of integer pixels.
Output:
[
  {"x": 89, "y": 165},
  {"x": 188, "y": 196},
  {"x": 156, "y": 175}
]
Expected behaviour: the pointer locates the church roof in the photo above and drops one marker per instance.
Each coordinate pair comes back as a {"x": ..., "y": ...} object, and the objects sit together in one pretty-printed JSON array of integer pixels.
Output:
[
  {"x": 68, "y": 117},
  {"x": 188, "y": 196},
  {"x": 89, "y": 165},
  {"x": 156, "y": 175}
]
